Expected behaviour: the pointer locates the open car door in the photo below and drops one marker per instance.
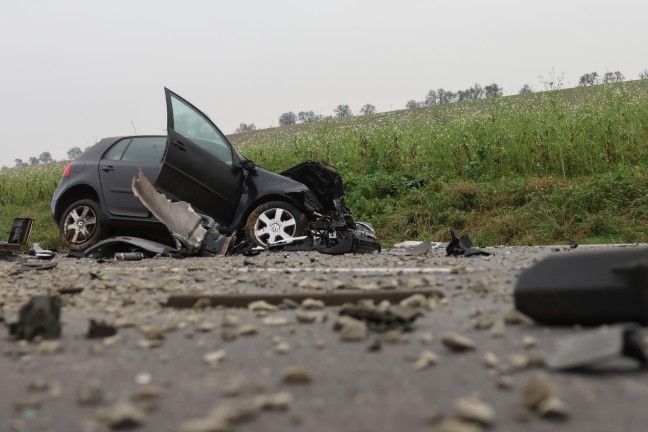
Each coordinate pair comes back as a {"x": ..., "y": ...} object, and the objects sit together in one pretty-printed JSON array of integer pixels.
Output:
[{"x": 200, "y": 165}]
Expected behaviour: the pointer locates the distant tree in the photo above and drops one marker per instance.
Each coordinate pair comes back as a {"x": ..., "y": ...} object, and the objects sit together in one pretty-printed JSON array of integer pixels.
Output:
[
  {"x": 613, "y": 77},
  {"x": 33, "y": 160},
  {"x": 445, "y": 96},
  {"x": 46, "y": 157},
  {"x": 342, "y": 111},
  {"x": 643, "y": 74},
  {"x": 411, "y": 104},
  {"x": 307, "y": 116},
  {"x": 244, "y": 127},
  {"x": 588, "y": 80},
  {"x": 431, "y": 98},
  {"x": 368, "y": 109},
  {"x": 287, "y": 119},
  {"x": 493, "y": 91},
  {"x": 19, "y": 163},
  {"x": 475, "y": 92},
  {"x": 526, "y": 88},
  {"x": 74, "y": 153}
]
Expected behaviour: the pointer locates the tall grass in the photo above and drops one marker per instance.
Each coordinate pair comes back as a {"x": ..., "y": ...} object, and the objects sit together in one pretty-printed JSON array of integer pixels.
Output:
[
  {"x": 565, "y": 133},
  {"x": 540, "y": 168}
]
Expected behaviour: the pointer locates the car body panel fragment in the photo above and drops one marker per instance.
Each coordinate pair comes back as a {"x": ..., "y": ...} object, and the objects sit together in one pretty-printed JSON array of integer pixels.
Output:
[
  {"x": 595, "y": 347},
  {"x": 109, "y": 247},
  {"x": 587, "y": 288},
  {"x": 182, "y": 221}
]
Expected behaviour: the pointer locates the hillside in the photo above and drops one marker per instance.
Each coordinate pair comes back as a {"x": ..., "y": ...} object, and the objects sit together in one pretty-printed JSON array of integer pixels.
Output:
[{"x": 540, "y": 168}]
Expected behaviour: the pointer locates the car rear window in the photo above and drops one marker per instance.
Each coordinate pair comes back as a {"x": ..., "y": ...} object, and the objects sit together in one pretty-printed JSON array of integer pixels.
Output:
[{"x": 138, "y": 149}]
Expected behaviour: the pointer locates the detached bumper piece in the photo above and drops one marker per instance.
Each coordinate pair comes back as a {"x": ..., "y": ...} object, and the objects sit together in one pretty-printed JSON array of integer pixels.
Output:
[{"x": 586, "y": 288}]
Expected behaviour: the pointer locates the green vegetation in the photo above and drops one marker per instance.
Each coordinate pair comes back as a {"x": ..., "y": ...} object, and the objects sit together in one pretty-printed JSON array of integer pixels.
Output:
[{"x": 529, "y": 169}]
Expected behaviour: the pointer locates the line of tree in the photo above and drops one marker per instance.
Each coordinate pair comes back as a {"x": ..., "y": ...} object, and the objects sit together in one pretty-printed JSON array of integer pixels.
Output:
[
  {"x": 593, "y": 78},
  {"x": 340, "y": 111},
  {"x": 442, "y": 96}
]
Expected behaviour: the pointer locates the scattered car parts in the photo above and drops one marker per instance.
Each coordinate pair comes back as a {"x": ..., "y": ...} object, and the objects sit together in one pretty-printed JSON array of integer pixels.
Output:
[
  {"x": 588, "y": 288},
  {"x": 462, "y": 246},
  {"x": 18, "y": 236},
  {"x": 596, "y": 347}
]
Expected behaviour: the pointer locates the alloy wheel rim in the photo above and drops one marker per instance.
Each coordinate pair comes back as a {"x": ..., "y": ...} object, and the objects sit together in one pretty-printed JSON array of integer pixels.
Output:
[
  {"x": 80, "y": 224},
  {"x": 275, "y": 225}
]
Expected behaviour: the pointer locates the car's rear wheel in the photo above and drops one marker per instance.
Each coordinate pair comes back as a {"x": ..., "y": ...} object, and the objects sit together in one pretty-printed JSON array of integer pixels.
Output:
[
  {"x": 81, "y": 225},
  {"x": 273, "y": 222}
]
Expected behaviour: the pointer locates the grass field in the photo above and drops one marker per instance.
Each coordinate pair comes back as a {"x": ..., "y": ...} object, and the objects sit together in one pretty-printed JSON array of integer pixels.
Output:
[{"x": 529, "y": 169}]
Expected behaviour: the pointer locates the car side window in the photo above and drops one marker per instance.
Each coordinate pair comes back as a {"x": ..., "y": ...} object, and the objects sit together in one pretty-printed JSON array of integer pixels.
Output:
[
  {"x": 145, "y": 149},
  {"x": 117, "y": 150},
  {"x": 193, "y": 125}
]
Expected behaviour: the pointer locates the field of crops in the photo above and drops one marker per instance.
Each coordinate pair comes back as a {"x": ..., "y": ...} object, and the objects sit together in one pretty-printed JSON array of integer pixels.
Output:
[{"x": 540, "y": 168}]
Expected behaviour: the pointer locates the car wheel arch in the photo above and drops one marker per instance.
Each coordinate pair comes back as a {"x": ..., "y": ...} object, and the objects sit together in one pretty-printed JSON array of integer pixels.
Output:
[{"x": 75, "y": 193}]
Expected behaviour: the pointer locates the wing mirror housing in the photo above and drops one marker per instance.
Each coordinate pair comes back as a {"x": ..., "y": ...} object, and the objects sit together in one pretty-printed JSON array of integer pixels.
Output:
[{"x": 248, "y": 165}]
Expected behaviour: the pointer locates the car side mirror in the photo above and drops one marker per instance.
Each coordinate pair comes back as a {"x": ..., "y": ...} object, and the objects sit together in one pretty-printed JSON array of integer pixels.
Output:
[{"x": 248, "y": 165}]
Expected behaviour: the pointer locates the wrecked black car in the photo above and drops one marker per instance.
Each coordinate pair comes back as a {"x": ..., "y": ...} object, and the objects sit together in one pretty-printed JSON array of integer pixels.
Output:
[{"x": 196, "y": 163}]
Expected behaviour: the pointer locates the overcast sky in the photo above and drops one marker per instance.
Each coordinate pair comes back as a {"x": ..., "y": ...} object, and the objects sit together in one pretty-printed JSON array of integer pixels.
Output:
[{"x": 74, "y": 71}]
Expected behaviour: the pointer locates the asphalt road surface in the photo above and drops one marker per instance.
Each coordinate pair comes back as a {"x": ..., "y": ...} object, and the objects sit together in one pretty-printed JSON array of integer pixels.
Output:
[{"x": 216, "y": 368}]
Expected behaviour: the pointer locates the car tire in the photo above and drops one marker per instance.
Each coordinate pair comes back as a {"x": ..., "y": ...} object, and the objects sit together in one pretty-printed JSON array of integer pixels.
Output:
[
  {"x": 81, "y": 225},
  {"x": 274, "y": 221}
]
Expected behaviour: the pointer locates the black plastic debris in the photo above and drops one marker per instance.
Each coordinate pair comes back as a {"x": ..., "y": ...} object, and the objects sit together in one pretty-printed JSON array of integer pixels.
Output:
[
  {"x": 462, "y": 246},
  {"x": 33, "y": 266},
  {"x": 40, "y": 316},
  {"x": 588, "y": 288},
  {"x": 597, "y": 347},
  {"x": 381, "y": 320},
  {"x": 18, "y": 236},
  {"x": 99, "y": 329}
]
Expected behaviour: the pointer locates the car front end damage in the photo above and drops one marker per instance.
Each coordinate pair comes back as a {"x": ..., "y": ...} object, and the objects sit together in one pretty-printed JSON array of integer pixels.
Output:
[{"x": 331, "y": 228}]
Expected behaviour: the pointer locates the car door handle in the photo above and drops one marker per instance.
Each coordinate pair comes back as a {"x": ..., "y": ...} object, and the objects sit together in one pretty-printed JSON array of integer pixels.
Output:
[
  {"x": 108, "y": 168},
  {"x": 179, "y": 145}
]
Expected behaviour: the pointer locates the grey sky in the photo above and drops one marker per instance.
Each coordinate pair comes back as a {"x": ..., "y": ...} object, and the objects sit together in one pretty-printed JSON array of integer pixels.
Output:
[{"x": 74, "y": 71}]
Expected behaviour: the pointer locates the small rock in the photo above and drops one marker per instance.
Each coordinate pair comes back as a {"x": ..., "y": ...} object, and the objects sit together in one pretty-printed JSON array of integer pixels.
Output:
[
  {"x": 553, "y": 408},
  {"x": 426, "y": 338},
  {"x": 415, "y": 301},
  {"x": 537, "y": 390},
  {"x": 312, "y": 304},
  {"x": 351, "y": 329},
  {"x": 125, "y": 416},
  {"x": 453, "y": 425},
  {"x": 505, "y": 382},
  {"x": 310, "y": 284},
  {"x": 275, "y": 321},
  {"x": 47, "y": 347},
  {"x": 262, "y": 306},
  {"x": 205, "y": 327},
  {"x": 514, "y": 316},
  {"x": 498, "y": 329},
  {"x": 309, "y": 317},
  {"x": 529, "y": 342},
  {"x": 364, "y": 285},
  {"x": 214, "y": 358},
  {"x": 247, "y": 330},
  {"x": 474, "y": 410},
  {"x": 457, "y": 342},
  {"x": 282, "y": 348},
  {"x": 296, "y": 375},
  {"x": 491, "y": 360},
  {"x": 147, "y": 392},
  {"x": 426, "y": 358},
  {"x": 229, "y": 320}
]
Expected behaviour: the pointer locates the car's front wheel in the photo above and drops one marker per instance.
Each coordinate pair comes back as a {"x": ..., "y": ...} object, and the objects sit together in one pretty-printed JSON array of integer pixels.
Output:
[
  {"x": 273, "y": 222},
  {"x": 80, "y": 225}
]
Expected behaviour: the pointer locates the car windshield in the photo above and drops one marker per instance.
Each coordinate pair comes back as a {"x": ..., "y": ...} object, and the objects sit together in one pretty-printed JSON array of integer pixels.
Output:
[{"x": 193, "y": 125}]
